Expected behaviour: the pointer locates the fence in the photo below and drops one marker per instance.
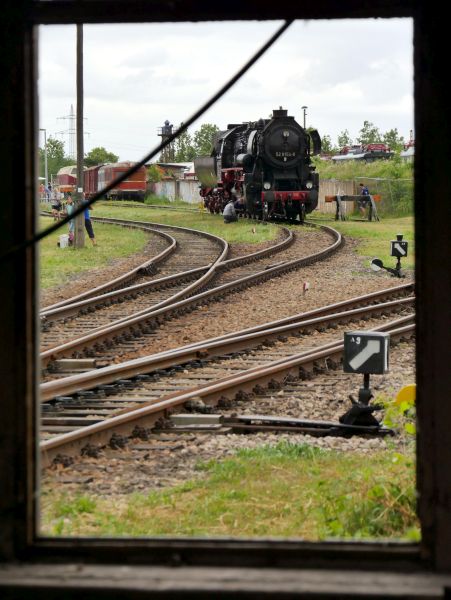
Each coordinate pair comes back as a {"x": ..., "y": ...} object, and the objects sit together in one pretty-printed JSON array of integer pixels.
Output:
[
  {"x": 396, "y": 194},
  {"x": 335, "y": 187}
]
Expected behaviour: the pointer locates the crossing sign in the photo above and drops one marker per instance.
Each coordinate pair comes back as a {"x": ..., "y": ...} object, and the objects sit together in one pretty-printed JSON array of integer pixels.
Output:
[{"x": 366, "y": 352}]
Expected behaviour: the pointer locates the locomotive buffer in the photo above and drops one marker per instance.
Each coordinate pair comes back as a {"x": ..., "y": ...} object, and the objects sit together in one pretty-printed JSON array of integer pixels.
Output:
[{"x": 365, "y": 352}]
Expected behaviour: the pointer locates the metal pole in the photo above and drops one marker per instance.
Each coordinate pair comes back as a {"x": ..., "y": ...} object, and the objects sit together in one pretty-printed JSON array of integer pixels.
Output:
[
  {"x": 46, "y": 174},
  {"x": 79, "y": 240},
  {"x": 304, "y": 108}
]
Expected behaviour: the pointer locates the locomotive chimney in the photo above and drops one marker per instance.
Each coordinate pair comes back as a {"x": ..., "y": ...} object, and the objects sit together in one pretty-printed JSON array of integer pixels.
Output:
[{"x": 279, "y": 113}]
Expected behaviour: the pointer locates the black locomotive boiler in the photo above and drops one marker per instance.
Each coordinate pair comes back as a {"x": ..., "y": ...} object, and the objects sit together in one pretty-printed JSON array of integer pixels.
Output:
[{"x": 265, "y": 167}]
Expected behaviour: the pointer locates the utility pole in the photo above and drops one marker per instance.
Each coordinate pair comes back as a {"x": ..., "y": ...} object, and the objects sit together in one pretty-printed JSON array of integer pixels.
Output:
[
  {"x": 79, "y": 237},
  {"x": 45, "y": 159}
]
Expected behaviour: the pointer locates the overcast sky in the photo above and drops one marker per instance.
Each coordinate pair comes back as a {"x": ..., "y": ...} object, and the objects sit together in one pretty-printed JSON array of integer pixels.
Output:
[{"x": 137, "y": 76}]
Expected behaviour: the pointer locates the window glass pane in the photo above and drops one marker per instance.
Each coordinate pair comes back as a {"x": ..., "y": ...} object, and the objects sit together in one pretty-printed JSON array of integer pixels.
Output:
[{"x": 199, "y": 475}]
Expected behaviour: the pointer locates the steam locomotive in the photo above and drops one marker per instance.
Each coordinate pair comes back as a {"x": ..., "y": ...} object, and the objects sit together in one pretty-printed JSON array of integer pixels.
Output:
[{"x": 265, "y": 167}]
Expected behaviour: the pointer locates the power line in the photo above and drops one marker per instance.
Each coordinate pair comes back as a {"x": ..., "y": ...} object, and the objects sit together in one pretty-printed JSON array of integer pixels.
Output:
[{"x": 183, "y": 127}]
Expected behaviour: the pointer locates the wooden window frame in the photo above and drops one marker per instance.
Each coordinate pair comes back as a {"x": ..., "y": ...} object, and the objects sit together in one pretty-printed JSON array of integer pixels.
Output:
[{"x": 18, "y": 351}]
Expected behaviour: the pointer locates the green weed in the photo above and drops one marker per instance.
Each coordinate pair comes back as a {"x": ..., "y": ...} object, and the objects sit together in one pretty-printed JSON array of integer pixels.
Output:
[
  {"x": 58, "y": 265},
  {"x": 285, "y": 490}
]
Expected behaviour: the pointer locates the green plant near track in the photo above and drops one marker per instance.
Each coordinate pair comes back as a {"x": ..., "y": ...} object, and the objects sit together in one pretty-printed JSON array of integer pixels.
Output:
[
  {"x": 284, "y": 490},
  {"x": 59, "y": 265},
  {"x": 391, "y": 179},
  {"x": 375, "y": 237},
  {"x": 242, "y": 231}
]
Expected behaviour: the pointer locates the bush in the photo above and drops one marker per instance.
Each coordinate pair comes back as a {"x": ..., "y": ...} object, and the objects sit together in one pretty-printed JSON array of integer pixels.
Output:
[{"x": 391, "y": 179}]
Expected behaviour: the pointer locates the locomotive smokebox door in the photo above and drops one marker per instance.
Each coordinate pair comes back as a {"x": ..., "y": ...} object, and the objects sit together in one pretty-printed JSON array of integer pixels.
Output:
[
  {"x": 366, "y": 352},
  {"x": 398, "y": 247}
]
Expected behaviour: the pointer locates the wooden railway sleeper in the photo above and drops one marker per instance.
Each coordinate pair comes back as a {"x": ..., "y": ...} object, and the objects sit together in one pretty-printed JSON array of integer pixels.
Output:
[
  {"x": 259, "y": 390},
  {"x": 275, "y": 385},
  {"x": 319, "y": 367}
]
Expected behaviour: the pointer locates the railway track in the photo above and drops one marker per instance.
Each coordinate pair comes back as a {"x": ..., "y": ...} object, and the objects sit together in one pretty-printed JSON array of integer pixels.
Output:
[
  {"x": 183, "y": 266},
  {"x": 91, "y": 339},
  {"x": 88, "y": 408}
]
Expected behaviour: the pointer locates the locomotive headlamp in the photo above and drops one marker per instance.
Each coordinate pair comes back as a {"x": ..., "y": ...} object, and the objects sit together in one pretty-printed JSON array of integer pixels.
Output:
[
  {"x": 285, "y": 133},
  {"x": 267, "y": 185},
  {"x": 309, "y": 185}
]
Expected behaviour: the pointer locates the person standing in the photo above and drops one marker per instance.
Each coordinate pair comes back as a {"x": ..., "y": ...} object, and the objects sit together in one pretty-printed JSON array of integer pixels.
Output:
[
  {"x": 88, "y": 226},
  {"x": 55, "y": 204},
  {"x": 70, "y": 210},
  {"x": 363, "y": 202}
]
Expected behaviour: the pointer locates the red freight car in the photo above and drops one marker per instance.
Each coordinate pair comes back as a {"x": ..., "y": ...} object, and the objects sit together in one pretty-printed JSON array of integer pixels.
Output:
[
  {"x": 91, "y": 180},
  {"x": 132, "y": 188}
]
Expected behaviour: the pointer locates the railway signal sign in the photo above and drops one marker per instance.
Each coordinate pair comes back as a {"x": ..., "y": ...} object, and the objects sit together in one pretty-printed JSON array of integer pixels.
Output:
[
  {"x": 398, "y": 247},
  {"x": 366, "y": 352},
  {"x": 398, "y": 250}
]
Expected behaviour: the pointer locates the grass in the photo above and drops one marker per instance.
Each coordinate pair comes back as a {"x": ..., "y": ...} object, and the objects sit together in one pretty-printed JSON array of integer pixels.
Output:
[
  {"x": 163, "y": 201},
  {"x": 58, "y": 265},
  {"x": 394, "y": 168},
  {"x": 284, "y": 491},
  {"x": 243, "y": 231},
  {"x": 376, "y": 237}
]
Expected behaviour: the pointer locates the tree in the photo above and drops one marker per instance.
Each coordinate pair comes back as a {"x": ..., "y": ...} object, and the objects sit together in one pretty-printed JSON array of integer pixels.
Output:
[
  {"x": 369, "y": 134},
  {"x": 98, "y": 156},
  {"x": 184, "y": 150},
  {"x": 154, "y": 173},
  {"x": 326, "y": 144},
  {"x": 393, "y": 139},
  {"x": 344, "y": 139},
  {"x": 56, "y": 158},
  {"x": 203, "y": 139}
]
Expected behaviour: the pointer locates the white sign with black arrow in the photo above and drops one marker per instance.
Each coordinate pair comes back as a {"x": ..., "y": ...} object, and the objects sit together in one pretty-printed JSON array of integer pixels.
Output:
[{"x": 366, "y": 352}]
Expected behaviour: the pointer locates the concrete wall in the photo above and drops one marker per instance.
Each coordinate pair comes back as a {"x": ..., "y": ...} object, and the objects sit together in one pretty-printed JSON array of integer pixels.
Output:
[{"x": 184, "y": 189}]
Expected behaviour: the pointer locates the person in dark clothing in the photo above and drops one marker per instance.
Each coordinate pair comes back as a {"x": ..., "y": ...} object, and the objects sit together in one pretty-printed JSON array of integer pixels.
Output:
[
  {"x": 363, "y": 202},
  {"x": 239, "y": 206},
  {"x": 88, "y": 227}
]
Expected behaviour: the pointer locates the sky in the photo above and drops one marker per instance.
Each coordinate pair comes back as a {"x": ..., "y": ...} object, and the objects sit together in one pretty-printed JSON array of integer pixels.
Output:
[{"x": 136, "y": 76}]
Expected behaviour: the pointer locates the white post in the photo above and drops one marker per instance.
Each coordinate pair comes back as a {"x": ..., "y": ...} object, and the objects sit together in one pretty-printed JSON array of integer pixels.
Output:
[{"x": 304, "y": 108}]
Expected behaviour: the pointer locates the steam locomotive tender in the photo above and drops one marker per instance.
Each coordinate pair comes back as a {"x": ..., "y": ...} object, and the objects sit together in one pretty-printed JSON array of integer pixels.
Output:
[{"x": 265, "y": 167}]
